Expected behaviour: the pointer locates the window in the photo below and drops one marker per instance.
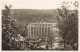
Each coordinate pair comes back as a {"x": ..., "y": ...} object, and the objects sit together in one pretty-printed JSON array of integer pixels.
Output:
[
  {"x": 31, "y": 30},
  {"x": 42, "y": 30},
  {"x": 39, "y": 30},
  {"x": 34, "y": 30}
]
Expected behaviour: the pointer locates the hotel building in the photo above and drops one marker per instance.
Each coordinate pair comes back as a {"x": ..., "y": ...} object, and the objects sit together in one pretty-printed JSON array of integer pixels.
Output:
[{"x": 43, "y": 31}]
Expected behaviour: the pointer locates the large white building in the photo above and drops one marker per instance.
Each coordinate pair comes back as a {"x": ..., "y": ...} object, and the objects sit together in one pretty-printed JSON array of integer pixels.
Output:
[{"x": 43, "y": 31}]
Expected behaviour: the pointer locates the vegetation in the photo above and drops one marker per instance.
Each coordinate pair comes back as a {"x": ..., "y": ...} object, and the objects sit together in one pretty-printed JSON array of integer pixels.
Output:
[
  {"x": 69, "y": 23},
  {"x": 26, "y": 16},
  {"x": 10, "y": 30}
]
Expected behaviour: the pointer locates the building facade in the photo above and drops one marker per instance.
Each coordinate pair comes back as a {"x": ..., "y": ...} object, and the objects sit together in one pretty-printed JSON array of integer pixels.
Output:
[{"x": 43, "y": 31}]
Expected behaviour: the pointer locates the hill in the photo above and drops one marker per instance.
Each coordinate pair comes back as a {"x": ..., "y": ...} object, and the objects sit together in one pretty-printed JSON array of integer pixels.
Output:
[{"x": 26, "y": 16}]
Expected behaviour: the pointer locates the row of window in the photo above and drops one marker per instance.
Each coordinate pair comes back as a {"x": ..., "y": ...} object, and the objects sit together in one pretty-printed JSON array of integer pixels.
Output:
[
  {"x": 39, "y": 30},
  {"x": 40, "y": 24}
]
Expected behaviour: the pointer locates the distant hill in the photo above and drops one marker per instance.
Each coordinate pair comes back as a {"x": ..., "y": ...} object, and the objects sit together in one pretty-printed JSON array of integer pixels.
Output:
[{"x": 26, "y": 16}]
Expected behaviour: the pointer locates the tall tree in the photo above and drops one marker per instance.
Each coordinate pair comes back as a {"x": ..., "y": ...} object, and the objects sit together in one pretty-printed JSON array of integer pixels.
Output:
[
  {"x": 8, "y": 29},
  {"x": 69, "y": 23},
  {"x": 5, "y": 27}
]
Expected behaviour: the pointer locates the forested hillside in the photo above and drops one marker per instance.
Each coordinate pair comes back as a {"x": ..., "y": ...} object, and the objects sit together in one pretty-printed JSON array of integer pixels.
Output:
[{"x": 26, "y": 16}]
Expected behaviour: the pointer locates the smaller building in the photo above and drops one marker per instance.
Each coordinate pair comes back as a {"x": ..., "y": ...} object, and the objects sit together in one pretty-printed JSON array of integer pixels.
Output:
[{"x": 20, "y": 41}]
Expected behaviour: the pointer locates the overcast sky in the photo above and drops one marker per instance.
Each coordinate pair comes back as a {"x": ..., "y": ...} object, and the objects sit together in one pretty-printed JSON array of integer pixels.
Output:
[{"x": 33, "y": 4}]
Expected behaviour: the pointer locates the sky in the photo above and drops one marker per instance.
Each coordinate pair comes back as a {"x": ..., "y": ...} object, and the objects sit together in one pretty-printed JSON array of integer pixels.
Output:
[{"x": 33, "y": 4}]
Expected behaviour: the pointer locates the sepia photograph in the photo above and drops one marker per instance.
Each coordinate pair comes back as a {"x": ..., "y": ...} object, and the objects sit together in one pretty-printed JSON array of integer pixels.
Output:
[{"x": 39, "y": 25}]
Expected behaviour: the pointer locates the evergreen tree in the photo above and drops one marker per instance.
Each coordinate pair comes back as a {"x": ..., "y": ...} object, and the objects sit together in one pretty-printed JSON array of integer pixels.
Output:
[
  {"x": 5, "y": 28},
  {"x": 8, "y": 29}
]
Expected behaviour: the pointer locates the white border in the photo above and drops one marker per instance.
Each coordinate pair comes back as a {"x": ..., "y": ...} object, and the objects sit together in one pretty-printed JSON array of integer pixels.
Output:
[{"x": 40, "y": 50}]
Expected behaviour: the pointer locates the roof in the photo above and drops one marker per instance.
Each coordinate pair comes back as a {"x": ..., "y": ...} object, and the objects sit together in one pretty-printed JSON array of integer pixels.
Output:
[
  {"x": 20, "y": 38},
  {"x": 42, "y": 24}
]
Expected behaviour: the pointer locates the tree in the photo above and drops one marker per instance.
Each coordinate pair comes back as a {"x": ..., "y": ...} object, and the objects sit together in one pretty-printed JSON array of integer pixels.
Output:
[
  {"x": 69, "y": 23},
  {"x": 5, "y": 27},
  {"x": 51, "y": 37},
  {"x": 8, "y": 29}
]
